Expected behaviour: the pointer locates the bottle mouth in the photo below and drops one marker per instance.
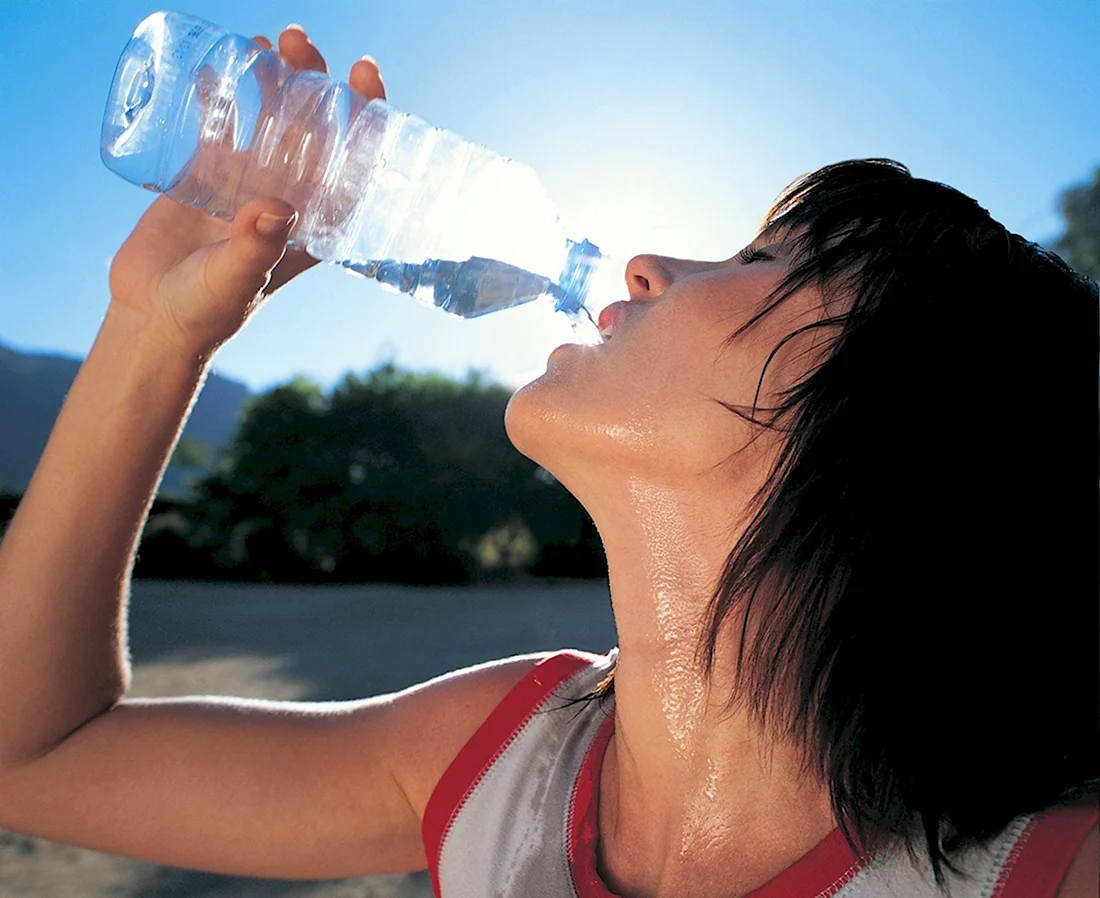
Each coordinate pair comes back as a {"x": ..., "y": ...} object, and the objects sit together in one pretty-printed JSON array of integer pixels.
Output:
[
  {"x": 589, "y": 282},
  {"x": 573, "y": 285}
]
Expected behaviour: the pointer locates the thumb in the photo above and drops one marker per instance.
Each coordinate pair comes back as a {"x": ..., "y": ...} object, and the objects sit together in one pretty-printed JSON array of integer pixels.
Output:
[{"x": 241, "y": 266}]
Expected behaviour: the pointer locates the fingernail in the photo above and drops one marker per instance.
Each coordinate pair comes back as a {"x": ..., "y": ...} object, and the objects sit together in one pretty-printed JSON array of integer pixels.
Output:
[
  {"x": 269, "y": 224},
  {"x": 366, "y": 57},
  {"x": 294, "y": 26}
]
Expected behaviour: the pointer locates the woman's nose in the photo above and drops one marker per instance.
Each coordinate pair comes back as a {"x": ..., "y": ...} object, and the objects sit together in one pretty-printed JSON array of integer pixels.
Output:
[{"x": 647, "y": 277}]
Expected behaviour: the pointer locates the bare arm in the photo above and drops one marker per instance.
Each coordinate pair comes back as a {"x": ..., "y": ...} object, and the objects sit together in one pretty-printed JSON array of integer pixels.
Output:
[
  {"x": 280, "y": 789},
  {"x": 241, "y": 787},
  {"x": 65, "y": 559}
]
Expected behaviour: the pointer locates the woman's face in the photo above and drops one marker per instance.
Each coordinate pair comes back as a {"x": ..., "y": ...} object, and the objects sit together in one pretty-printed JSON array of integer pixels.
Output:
[{"x": 648, "y": 401}]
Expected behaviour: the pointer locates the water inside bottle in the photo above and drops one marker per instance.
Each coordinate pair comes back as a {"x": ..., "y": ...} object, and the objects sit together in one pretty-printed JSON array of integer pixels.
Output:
[
  {"x": 472, "y": 288},
  {"x": 468, "y": 289}
]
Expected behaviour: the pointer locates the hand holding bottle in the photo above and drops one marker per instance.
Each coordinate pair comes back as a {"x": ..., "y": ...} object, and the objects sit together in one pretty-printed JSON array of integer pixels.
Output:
[
  {"x": 198, "y": 278},
  {"x": 215, "y": 120}
]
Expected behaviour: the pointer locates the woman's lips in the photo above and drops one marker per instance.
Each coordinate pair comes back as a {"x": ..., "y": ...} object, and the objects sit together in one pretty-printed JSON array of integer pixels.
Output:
[{"x": 609, "y": 319}]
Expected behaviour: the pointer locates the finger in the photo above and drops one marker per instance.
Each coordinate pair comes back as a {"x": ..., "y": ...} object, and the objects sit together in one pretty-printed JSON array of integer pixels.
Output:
[
  {"x": 366, "y": 79},
  {"x": 298, "y": 50},
  {"x": 240, "y": 267},
  {"x": 263, "y": 42}
]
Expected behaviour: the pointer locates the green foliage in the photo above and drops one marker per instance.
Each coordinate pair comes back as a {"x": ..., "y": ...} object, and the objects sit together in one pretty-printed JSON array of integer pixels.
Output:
[
  {"x": 192, "y": 452},
  {"x": 1080, "y": 245},
  {"x": 395, "y": 476}
]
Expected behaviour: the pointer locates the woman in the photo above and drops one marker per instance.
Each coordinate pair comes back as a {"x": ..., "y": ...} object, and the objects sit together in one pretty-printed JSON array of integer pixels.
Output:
[{"x": 884, "y": 407}]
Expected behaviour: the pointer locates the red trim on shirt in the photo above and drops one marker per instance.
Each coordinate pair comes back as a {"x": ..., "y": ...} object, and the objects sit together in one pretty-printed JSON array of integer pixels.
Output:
[
  {"x": 821, "y": 872},
  {"x": 584, "y": 823},
  {"x": 486, "y": 745},
  {"x": 1043, "y": 853}
]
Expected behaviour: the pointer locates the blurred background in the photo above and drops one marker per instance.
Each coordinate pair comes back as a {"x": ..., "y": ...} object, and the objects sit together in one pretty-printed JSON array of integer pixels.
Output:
[{"x": 345, "y": 476}]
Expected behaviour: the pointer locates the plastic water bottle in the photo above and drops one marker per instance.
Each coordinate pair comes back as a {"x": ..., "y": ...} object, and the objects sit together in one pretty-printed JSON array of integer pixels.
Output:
[{"x": 213, "y": 120}]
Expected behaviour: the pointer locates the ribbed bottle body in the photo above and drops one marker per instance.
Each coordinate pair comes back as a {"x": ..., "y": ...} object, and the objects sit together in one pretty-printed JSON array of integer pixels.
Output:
[{"x": 214, "y": 120}]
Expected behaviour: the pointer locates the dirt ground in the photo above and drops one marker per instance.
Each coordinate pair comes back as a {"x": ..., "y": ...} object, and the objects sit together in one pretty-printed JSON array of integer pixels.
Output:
[{"x": 315, "y": 643}]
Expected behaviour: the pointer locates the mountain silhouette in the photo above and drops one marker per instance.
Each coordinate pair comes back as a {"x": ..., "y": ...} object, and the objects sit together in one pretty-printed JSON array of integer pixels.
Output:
[{"x": 33, "y": 387}]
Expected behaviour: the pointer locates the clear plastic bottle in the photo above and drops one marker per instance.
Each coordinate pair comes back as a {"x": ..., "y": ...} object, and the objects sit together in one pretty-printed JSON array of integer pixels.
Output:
[{"x": 213, "y": 120}]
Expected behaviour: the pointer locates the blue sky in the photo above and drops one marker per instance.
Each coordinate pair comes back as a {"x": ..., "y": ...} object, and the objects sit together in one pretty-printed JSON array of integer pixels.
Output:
[{"x": 657, "y": 127}]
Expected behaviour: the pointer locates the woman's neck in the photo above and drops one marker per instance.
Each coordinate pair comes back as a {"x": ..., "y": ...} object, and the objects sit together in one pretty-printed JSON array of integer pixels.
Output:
[{"x": 693, "y": 799}]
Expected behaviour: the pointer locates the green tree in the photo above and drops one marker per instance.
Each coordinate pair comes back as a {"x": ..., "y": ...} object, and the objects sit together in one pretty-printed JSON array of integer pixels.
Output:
[
  {"x": 193, "y": 453},
  {"x": 394, "y": 476},
  {"x": 1080, "y": 244}
]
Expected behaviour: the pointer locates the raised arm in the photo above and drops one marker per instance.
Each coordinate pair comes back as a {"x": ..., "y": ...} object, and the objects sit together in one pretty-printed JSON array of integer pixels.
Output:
[{"x": 257, "y": 788}]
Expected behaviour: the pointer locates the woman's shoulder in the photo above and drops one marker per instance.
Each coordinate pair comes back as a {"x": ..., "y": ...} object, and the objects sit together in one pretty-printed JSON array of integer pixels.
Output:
[
  {"x": 1082, "y": 878},
  {"x": 434, "y": 721},
  {"x": 1053, "y": 854},
  {"x": 1057, "y": 853},
  {"x": 517, "y": 777}
]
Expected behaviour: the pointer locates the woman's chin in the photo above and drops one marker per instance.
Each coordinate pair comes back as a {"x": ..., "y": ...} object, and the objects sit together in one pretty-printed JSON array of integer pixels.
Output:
[
  {"x": 521, "y": 418},
  {"x": 541, "y": 416},
  {"x": 560, "y": 419}
]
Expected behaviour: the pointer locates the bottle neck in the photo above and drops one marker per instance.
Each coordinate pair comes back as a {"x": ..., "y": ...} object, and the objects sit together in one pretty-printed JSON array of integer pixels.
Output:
[{"x": 581, "y": 262}]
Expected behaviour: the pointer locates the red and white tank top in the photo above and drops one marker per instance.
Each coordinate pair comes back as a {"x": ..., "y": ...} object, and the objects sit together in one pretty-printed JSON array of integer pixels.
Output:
[{"x": 514, "y": 815}]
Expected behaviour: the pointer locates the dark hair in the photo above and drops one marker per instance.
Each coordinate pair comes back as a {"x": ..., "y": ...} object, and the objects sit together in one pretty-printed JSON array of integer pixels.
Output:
[{"x": 918, "y": 580}]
